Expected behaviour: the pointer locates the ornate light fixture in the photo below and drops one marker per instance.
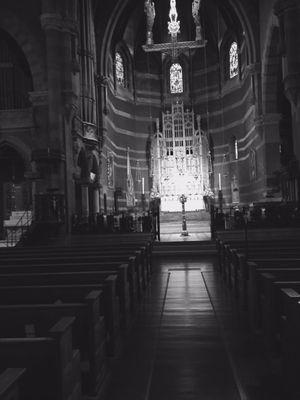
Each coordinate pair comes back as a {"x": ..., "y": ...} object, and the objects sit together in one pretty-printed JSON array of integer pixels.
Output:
[{"x": 173, "y": 47}]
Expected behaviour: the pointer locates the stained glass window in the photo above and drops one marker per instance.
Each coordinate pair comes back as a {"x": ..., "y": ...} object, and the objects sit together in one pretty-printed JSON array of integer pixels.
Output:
[
  {"x": 120, "y": 70},
  {"x": 233, "y": 60},
  {"x": 176, "y": 80}
]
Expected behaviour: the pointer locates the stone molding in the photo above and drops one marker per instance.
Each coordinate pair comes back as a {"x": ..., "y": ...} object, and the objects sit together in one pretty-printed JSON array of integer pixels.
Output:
[
  {"x": 281, "y": 6},
  {"x": 58, "y": 23},
  {"x": 253, "y": 69},
  {"x": 268, "y": 119},
  {"x": 102, "y": 81}
]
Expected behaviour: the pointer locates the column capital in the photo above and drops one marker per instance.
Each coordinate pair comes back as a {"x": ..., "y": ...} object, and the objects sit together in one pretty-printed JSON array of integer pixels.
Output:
[
  {"x": 57, "y": 22},
  {"x": 51, "y": 21}
]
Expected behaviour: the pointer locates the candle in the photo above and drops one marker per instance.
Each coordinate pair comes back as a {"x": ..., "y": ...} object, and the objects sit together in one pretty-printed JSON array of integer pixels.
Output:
[
  {"x": 143, "y": 185},
  {"x": 220, "y": 182}
]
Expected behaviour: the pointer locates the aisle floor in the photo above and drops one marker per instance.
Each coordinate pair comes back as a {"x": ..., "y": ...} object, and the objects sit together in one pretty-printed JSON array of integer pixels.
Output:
[{"x": 189, "y": 343}]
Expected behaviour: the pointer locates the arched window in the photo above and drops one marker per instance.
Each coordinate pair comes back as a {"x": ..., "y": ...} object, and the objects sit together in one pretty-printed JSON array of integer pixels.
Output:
[
  {"x": 233, "y": 60},
  {"x": 120, "y": 70},
  {"x": 176, "y": 78}
]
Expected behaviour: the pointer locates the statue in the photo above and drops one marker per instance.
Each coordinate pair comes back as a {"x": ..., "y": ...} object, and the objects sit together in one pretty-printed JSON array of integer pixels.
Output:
[
  {"x": 196, "y": 16},
  {"x": 195, "y": 11},
  {"x": 173, "y": 24},
  {"x": 173, "y": 15},
  {"x": 149, "y": 9}
]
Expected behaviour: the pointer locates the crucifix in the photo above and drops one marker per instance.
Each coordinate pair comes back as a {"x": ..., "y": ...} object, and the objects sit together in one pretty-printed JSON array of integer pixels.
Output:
[{"x": 173, "y": 47}]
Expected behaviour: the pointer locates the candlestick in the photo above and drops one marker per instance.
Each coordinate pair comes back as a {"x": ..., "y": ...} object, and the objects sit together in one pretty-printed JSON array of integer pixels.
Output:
[
  {"x": 143, "y": 185},
  {"x": 220, "y": 182}
]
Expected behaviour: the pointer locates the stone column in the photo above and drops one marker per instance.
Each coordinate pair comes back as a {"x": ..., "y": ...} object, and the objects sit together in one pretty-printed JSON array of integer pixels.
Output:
[
  {"x": 268, "y": 128},
  {"x": 52, "y": 25},
  {"x": 288, "y": 12},
  {"x": 85, "y": 209},
  {"x": 96, "y": 194},
  {"x": 88, "y": 62},
  {"x": 255, "y": 73}
]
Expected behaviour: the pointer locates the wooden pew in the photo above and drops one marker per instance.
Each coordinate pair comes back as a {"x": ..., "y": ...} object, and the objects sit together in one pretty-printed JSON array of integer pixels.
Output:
[
  {"x": 259, "y": 234},
  {"x": 52, "y": 366},
  {"x": 225, "y": 247},
  {"x": 134, "y": 262},
  {"x": 125, "y": 284},
  {"x": 271, "y": 300},
  {"x": 106, "y": 283},
  {"x": 290, "y": 346},
  {"x": 236, "y": 265},
  {"x": 10, "y": 383},
  {"x": 236, "y": 258},
  {"x": 88, "y": 334},
  {"x": 252, "y": 287},
  {"x": 247, "y": 282},
  {"x": 142, "y": 255}
]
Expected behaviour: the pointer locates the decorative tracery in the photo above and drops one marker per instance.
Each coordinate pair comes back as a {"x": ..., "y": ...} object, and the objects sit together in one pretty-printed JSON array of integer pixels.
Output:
[
  {"x": 176, "y": 78},
  {"x": 179, "y": 160},
  {"x": 233, "y": 60}
]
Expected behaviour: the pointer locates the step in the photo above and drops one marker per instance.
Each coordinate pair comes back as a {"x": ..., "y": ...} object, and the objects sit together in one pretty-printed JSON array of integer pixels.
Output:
[
  {"x": 190, "y": 215},
  {"x": 19, "y": 214},
  {"x": 192, "y": 227},
  {"x": 15, "y": 218},
  {"x": 185, "y": 248}
]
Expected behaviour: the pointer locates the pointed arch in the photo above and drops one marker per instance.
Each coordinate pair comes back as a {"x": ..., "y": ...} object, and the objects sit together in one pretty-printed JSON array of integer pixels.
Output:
[
  {"x": 122, "y": 67},
  {"x": 15, "y": 75},
  {"x": 29, "y": 44}
]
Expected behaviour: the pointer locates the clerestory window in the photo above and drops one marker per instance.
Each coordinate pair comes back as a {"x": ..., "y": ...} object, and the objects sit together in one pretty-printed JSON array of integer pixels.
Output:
[
  {"x": 233, "y": 60},
  {"x": 120, "y": 70}
]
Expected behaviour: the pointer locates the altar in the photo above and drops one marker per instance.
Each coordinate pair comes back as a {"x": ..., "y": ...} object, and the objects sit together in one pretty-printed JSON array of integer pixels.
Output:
[{"x": 180, "y": 160}]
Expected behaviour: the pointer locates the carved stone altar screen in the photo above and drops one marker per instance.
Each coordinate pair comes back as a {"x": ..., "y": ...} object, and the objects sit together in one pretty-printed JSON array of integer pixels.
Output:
[{"x": 180, "y": 160}]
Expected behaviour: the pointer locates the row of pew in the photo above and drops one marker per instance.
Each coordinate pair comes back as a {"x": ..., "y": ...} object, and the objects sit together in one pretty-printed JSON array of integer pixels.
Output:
[
  {"x": 263, "y": 273},
  {"x": 64, "y": 310}
]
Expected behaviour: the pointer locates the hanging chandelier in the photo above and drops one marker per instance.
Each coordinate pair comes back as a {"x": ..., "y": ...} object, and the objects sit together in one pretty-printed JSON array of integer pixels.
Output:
[{"x": 174, "y": 47}]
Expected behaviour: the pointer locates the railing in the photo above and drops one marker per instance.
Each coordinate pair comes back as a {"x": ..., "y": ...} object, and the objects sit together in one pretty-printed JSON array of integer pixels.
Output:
[{"x": 15, "y": 233}]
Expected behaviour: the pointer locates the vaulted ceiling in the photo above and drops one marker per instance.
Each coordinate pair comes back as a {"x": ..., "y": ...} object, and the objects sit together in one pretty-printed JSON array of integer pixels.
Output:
[{"x": 125, "y": 20}]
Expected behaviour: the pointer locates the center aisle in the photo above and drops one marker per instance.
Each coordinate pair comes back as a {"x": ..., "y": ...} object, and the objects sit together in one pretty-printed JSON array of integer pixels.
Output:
[
  {"x": 175, "y": 350},
  {"x": 191, "y": 361}
]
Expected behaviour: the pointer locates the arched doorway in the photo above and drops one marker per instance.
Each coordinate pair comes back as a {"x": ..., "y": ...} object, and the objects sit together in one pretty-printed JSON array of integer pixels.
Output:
[{"x": 15, "y": 190}]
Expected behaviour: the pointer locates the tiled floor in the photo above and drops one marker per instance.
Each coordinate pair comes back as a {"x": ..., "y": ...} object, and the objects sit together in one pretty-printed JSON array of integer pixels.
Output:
[
  {"x": 192, "y": 237},
  {"x": 188, "y": 343}
]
